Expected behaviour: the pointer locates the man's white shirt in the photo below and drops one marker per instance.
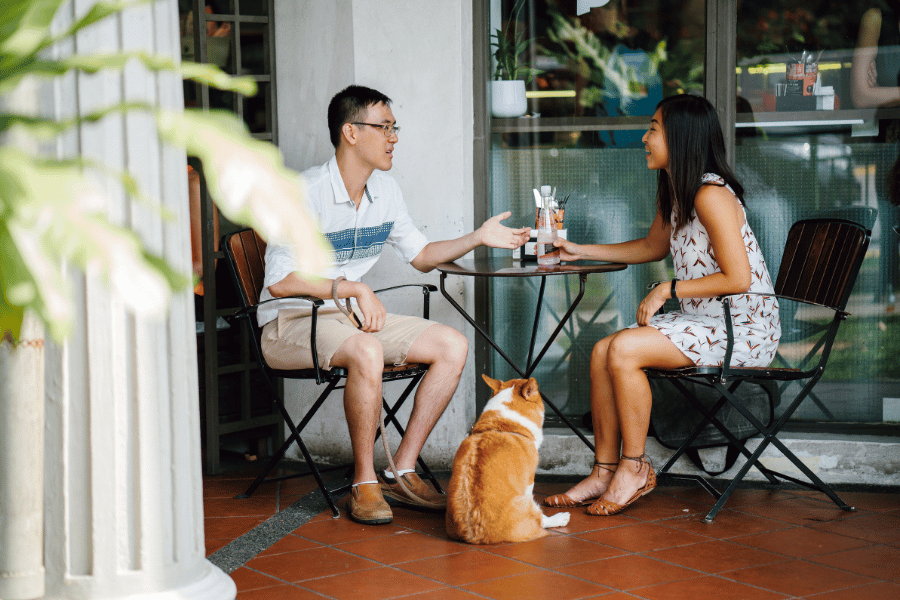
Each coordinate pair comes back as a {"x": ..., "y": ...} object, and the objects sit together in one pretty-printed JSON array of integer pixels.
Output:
[{"x": 358, "y": 236}]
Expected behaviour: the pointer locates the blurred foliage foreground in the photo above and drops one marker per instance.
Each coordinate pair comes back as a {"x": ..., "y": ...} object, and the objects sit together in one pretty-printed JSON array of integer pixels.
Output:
[{"x": 53, "y": 211}]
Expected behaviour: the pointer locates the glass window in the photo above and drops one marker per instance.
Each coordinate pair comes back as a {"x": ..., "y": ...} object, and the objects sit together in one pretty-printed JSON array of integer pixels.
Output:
[
  {"x": 817, "y": 133},
  {"x": 593, "y": 82}
]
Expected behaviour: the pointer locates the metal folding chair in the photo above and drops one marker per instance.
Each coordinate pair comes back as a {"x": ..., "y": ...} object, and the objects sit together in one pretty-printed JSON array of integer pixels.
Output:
[
  {"x": 245, "y": 252},
  {"x": 821, "y": 261}
]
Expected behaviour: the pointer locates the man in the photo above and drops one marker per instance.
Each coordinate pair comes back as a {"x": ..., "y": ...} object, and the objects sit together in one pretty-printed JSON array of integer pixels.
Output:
[{"x": 360, "y": 209}]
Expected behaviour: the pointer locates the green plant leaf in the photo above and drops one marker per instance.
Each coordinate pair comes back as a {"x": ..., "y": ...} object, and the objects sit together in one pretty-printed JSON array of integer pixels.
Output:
[
  {"x": 12, "y": 74},
  {"x": 44, "y": 128},
  {"x": 97, "y": 12},
  {"x": 10, "y": 320},
  {"x": 249, "y": 181},
  {"x": 24, "y": 25}
]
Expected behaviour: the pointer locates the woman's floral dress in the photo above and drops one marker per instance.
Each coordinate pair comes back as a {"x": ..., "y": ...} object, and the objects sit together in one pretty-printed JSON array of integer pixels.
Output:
[{"x": 698, "y": 329}]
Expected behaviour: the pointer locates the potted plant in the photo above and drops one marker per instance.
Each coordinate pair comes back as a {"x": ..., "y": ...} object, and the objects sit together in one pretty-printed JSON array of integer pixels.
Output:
[{"x": 511, "y": 73}]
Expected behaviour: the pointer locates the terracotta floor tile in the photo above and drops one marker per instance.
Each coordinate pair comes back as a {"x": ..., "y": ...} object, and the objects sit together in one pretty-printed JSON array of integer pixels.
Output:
[
  {"x": 261, "y": 506},
  {"x": 706, "y": 587},
  {"x": 444, "y": 593},
  {"x": 556, "y": 551},
  {"x": 213, "y": 545},
  {"x": 872, "y": 501},
  {"x": 466, "y": 567},
  {"x": 289, "y": 543},
  {"x": 881, "y": 528},
  {"x": 403, "y": 546},
  {"x": 581, "y": 522},
  {"x": 872, "y": 591},
  {"x": 229, "y": 527},
  {"x": 247, "y": 579},
  {"x": 877, "y": 561},
  {"x": 716, "y": 556},
  {"x": 309, "y": 564},
  {"x": 745, "y": 497},
  {"x": 628, "y": 572},
  {"x": 695, "y": 493},
  {"x": 545, "y": 585},
  {"x": 281, "y": 592},
  {"x": 797, "y": 578},
  {"x": 228, "y": 488},
  {"x": 799, "y": 542},
  {"x": 727, "y": 524},
  {"x": 338, "y": 531},
  {"x": 654, "y": 507},
  {"x": 374, "y": 584},
  {"x": 426, "y": 522},
  {"x": 800, "y": 510},
  {"x": 643, "y": 537}
]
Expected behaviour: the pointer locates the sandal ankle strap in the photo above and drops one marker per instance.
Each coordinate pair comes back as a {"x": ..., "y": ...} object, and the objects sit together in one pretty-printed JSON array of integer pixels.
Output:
[
  {"x": 597, "y": 463},
  {"x": 641, "y": 460}
]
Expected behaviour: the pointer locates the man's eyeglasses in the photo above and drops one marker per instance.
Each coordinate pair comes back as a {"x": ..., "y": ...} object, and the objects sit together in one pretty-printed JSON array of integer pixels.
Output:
[{"x": 388, "y": 130}]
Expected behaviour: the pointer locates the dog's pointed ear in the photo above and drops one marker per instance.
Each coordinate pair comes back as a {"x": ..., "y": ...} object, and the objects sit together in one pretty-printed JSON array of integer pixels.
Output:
[
  {"x": 492, "y": 383},
  {"x": 531, "y": 388}
]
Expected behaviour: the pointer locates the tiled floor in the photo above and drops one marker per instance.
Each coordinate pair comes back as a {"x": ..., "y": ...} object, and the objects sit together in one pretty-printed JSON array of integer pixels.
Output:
[{"x": 764, "y": 544}]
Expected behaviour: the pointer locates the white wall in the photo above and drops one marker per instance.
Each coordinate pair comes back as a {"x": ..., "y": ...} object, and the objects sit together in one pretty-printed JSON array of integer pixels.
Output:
[{"x": 419, "y": 53}]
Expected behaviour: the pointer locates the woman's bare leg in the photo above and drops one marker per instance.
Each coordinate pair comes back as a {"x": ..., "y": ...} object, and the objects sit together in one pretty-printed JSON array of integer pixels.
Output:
[
  {"x": 630, "y": 351},
  {"x": 606, "y": 427}
]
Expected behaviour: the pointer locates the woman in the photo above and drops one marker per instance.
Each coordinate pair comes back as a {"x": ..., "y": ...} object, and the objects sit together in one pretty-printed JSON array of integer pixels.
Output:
[{"x": 700, "y": 219}]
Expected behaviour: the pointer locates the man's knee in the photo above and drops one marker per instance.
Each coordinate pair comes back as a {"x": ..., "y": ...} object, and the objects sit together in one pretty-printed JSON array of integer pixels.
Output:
[
  {"x": 440, "y": 344},
  {"x": 361, "y": 352},
  {"x": 455, "y": 346}
]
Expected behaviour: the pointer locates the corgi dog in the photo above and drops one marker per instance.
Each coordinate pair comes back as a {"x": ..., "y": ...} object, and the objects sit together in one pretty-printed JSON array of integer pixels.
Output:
[{"x": 489, "y": 498}]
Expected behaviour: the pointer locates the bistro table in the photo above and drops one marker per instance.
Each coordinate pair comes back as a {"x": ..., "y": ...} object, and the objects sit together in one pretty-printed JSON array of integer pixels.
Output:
[{"x": 507, "y": 267}]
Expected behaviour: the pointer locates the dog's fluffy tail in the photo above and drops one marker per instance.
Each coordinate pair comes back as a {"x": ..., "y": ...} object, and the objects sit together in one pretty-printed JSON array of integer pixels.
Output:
[{"x": 462, "y": 521}]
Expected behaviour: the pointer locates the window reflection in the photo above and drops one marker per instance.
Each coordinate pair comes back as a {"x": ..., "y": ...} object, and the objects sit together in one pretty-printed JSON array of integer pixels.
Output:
[
  {"x": 818, "y": 83},
  {"x": 615, "y": 60}
]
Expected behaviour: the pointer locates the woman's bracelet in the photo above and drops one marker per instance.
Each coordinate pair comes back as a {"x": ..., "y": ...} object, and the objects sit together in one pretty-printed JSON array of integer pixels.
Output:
[{"x": 674, "y": 295}]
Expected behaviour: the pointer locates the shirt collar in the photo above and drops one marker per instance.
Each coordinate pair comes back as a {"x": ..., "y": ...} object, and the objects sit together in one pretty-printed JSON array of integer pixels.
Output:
[{"x": 338, "y": 188}]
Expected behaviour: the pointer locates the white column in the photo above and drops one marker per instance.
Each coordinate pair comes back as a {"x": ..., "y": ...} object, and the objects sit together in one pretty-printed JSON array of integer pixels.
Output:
[
  {"x": 123, "y": 493},
  {"x": 22, "y": 463}
]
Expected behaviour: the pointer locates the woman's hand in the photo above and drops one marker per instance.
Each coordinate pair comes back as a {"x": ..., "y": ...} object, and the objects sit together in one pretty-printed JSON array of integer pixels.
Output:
[
  {"x": 568, "y": 251},
  {"x": 652, "y": 302}
]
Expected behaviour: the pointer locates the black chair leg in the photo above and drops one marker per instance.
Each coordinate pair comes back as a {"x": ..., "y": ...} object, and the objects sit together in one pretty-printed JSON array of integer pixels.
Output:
[{"x": 294, "y": 437}]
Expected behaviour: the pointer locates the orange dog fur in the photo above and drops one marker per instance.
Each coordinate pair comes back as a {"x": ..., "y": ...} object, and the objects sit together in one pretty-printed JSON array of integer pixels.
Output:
[{"x": 490, "y": 496}]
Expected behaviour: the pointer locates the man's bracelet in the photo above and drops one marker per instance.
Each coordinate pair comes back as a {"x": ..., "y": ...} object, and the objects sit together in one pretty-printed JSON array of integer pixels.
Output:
[{"x": 673, "y": 294}]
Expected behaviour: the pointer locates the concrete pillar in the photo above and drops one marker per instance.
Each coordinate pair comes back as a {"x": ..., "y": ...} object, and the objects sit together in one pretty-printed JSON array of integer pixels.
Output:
[
  {"x": 22, "y": 463},
  {"x": 123, "y": 484}
]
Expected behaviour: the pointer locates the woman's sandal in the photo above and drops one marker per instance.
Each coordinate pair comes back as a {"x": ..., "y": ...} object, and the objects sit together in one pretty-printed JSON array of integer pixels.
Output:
[
  {"x": 607, "y": 508},
  {"x": 563, "y": 500}
]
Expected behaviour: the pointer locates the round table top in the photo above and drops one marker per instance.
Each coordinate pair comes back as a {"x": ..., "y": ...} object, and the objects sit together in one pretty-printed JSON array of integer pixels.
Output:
[{"x": 495, "y": 266}]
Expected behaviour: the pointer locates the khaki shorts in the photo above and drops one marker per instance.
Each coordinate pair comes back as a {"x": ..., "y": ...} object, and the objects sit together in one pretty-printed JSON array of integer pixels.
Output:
[{"x": 286, "y": 343}]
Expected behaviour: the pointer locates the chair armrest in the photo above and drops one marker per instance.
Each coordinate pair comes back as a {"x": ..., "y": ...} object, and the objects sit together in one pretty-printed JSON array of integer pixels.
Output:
[
  {"x": 427, "y": 288},
  {"x": 839, "y": 315},
  {"x": 424, "y": 286},
  {"x": 844, "y": 314}
]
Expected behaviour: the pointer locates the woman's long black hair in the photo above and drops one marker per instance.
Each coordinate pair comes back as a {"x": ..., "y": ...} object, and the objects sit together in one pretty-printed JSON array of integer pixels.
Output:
[{"x": 696, "y": 146}]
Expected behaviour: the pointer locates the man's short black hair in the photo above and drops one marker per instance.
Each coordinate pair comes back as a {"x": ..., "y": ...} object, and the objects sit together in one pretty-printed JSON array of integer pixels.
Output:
[{"x": 350, "y": 105}]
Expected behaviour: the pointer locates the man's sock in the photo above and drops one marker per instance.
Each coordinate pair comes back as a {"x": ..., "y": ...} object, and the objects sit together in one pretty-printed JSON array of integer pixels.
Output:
[
  {"x": 362, "y": 483},
  {"x": 388, "y": 474}
]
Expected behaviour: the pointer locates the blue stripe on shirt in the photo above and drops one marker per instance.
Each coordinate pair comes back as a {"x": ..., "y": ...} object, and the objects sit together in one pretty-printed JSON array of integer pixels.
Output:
[{"x": 369, "y": 241}]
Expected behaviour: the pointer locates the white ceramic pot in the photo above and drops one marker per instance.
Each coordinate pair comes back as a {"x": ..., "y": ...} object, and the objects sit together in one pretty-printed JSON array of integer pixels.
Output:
[{"x": 508, "y": 98}]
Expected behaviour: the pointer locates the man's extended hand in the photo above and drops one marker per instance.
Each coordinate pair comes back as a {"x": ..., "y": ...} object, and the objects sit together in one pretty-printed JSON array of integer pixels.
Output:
[{"x": 495, "y": 235}]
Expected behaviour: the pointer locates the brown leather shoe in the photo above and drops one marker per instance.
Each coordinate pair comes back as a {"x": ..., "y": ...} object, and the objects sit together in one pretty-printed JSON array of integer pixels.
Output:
[
  {"x": 427, "y": 497},
  {"x": 367, "y": 505}
]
